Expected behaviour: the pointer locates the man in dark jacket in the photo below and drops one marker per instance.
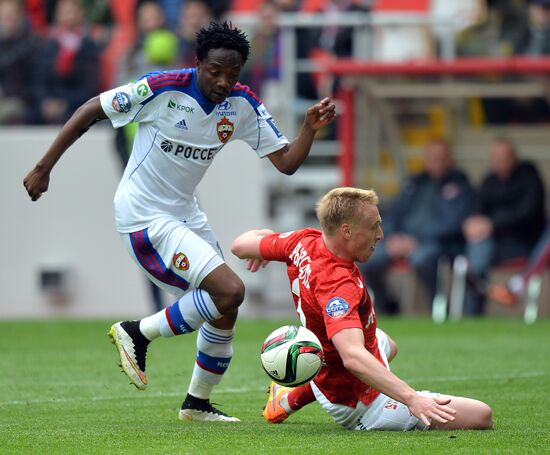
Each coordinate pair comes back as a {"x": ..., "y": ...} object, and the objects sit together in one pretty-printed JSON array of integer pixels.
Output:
[
  {"x": 508, "y": 217},
  {"x": 17, "y": 46},
  {"x": 66, "y": 71},
  {"x": 423, "y": 224}
]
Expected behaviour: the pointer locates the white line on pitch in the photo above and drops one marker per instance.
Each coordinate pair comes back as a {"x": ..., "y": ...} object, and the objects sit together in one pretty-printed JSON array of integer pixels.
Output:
[
  {"x": 232, "y": 390},
  {"x": 228, "y": 390}
]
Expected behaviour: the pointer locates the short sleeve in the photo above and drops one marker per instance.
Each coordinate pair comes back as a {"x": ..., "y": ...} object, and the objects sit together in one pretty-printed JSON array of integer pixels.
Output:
[
  {"x": 277, "y": 247},
  {"x": 262, "y": 133},
  {"x": 339, "y": 300},
  {"x": 128, "y": 103}
]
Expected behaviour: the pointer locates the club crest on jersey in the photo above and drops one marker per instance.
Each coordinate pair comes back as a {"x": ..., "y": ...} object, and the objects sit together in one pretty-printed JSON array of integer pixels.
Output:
[
  {"x": 181, "y": 262},
  {"x": 225, "y": 129},
  {"x": 337, "y": 307},
  {"x": 121, "y": 102}
]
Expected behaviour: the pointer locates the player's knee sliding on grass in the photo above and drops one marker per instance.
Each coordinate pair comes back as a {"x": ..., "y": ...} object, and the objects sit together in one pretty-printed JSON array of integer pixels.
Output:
[
  {"x": 283, "y": 401},
  {"x": 355, "y": 386}
]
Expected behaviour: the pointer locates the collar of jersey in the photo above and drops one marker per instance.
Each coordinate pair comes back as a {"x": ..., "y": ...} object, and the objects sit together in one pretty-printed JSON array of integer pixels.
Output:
[
  {"x": 206, "y": 105},
  {"x": 347, "y": 262},
  {"x": 335, "y": 257}
]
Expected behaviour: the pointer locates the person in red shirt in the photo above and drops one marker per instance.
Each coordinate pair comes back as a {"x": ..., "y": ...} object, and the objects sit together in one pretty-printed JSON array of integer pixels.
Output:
[{"x": 355, "y": 386}]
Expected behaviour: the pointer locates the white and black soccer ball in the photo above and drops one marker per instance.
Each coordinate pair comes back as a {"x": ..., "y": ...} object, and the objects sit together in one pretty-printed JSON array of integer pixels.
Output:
[{"x": 292, "y": 355}]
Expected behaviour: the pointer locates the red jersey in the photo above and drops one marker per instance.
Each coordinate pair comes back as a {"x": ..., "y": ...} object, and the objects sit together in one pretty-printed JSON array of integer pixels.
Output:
[{"x": 330, "y": 295}]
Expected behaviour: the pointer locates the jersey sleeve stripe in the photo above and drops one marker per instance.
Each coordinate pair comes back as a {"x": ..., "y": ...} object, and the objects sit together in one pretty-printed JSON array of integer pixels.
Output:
[
  {"x": 246, "y": 89},
  {"x": 170, "y": 84},
  {"x": 170, "y": 81},
  {"x": 174, "y": 77},
  {"x": 158, "y": 77},
  {"x": 171, "y": 78},
  {"x": 160, "y": 74},
  {"x": 245, "y": 92}
]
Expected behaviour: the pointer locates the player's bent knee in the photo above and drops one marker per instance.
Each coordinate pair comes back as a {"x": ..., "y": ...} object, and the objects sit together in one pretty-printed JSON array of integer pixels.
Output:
[
  {"x": 480, "y": 415},
  {"x": 485, "y": 417},
  {"x": 235, "y": 293},
  {"x": 225, "y": 288},
  {"x": 229, "y": 297}
]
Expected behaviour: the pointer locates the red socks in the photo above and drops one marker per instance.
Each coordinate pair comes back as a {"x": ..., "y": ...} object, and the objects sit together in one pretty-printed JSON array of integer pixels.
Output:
[{"x": 300, "y": 396}]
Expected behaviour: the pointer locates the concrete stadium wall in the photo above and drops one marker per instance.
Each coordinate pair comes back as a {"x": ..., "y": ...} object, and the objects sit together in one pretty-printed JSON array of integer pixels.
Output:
[{"x": 72, "y": 226}]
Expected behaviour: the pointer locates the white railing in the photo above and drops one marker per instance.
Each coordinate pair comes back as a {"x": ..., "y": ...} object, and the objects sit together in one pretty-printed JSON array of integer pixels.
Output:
[{"x": 362, "y": 25}]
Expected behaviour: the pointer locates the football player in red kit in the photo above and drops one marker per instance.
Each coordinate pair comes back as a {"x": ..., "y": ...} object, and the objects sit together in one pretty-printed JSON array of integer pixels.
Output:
[{"x": 355, "y": 386}]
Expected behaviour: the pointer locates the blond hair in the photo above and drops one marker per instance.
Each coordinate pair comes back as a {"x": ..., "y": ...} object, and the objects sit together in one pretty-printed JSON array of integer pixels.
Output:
[{"x": 342, "y": 205}]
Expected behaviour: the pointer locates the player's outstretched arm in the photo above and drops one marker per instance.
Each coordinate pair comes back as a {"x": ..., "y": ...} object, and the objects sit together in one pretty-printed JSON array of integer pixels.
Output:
[
  {"x": 290, "y": 158},
  {"x": 247, "y": 246},
  {"x": 363, "y": 365},
  {"x": 37, "y": 180}
]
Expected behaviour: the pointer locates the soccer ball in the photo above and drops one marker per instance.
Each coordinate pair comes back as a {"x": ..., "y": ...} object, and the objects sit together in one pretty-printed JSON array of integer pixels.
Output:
[{"x": 292, "y": 355}]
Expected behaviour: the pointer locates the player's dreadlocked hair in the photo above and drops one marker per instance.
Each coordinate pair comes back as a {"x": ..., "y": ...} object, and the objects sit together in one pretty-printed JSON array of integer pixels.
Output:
[{"x": 222, "y": 36}]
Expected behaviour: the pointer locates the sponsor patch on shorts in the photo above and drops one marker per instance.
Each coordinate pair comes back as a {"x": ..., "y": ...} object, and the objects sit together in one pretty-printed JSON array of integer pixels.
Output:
[{"x": 337, "y": 307}]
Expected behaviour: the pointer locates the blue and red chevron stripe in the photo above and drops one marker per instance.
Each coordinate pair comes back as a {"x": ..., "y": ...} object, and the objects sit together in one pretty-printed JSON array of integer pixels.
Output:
[
  {"x": 170, "y": 79},
  {"x": 245, "y": 92},
  {"x": 150, "y": 260}
]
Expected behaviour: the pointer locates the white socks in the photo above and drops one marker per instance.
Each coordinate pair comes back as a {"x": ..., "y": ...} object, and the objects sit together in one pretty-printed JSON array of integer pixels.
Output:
[
  {"x": 214, "y": 352},
  {"x": 184, "y": 316}
]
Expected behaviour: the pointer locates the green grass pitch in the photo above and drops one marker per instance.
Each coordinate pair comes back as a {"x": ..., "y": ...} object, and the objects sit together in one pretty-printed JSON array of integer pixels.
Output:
[{"x": 61, "y": 392}]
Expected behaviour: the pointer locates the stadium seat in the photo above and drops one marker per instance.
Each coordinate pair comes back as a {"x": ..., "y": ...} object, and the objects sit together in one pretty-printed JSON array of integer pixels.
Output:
[
  {"x": 403, "y": 279},
  {"x": 499, "y": 272},
  {"x": 245, "y": 6},
  {"x": 418, "y": 6}
]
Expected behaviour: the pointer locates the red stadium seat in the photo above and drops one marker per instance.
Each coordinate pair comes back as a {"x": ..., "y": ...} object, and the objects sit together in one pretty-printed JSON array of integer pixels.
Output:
[
  {"x": 416, "y": 6},
  {"x": 245, "y": 6}
]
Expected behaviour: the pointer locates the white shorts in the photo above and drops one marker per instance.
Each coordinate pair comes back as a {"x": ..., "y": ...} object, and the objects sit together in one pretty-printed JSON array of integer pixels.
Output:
[
  {"x": 176, "y": 255},
  {"x": 384, "y": 413}
]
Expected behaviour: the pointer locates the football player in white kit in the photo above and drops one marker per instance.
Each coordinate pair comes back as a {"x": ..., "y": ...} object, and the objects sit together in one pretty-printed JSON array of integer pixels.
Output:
[{"x": 185, "y": 117}]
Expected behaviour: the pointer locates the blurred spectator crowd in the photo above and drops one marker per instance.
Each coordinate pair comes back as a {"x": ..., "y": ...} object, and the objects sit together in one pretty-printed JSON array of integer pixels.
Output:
[
  {"x": 55, "y": 54},
  {"x": 439, "y": 214}
]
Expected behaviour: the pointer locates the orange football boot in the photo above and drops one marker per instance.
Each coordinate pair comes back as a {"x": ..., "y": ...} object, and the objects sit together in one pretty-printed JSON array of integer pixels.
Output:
[{"x": 273, "y": 411}]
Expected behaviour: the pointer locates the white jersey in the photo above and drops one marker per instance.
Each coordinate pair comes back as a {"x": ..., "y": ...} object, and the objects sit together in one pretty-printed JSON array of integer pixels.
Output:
[{"x": 179, "y": 134}]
